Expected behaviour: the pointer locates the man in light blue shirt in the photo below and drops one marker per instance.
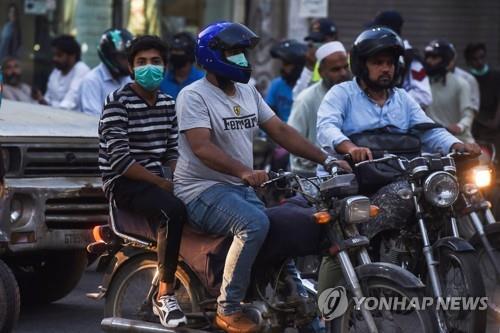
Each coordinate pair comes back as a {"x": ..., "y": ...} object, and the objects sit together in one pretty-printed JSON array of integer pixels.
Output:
[
  {"x": 111, "y": 74},
  {"x": 370, "y": 101}
]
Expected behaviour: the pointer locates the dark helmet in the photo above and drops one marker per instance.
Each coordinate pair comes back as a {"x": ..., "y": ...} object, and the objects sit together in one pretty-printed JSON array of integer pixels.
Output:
[
  {"x": 391, "y": 19},
  {"x": 219, "y": 37},
  {"x": 290, "y": 51},
  {"x": 443, "y": 49},
  {"x": 371, "y": 42},
  {"x": 112, "y": 46},
  {"x": 185, "y": 42}
]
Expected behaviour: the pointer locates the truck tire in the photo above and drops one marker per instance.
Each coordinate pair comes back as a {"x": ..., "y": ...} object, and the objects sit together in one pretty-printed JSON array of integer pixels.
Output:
[
  {"x": 51, "y": 277},
  {"x": 10, "y": 300}
]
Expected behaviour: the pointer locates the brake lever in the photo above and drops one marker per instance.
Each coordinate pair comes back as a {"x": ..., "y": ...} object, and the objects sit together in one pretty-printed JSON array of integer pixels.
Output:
[{"x": 275, "y": 177}]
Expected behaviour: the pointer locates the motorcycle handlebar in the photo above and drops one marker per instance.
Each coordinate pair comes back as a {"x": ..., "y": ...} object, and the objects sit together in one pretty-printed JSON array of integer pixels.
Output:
[{"x": 386, "y": 157}]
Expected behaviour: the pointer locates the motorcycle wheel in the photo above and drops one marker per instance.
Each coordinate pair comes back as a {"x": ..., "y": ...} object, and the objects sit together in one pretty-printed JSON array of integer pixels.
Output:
[
  {"x": 458, "y": 274},
  {"x": 491, "y": 285},
  {"x": 127, "y": 294},
  {"x": 422, "y": 321},
  {"x": 10, "y": 300}
]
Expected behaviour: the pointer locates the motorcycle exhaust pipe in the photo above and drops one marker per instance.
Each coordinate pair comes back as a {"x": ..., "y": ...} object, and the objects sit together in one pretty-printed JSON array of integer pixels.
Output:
[{"x": 115, "y": 324}]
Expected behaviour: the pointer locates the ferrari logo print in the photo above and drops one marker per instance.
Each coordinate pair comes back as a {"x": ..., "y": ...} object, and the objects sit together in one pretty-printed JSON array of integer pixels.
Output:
[{"x": 237, "y": 110}]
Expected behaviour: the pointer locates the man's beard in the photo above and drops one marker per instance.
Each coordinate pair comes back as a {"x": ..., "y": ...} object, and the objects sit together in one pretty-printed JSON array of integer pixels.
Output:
[
  {"x": 60, "y": 66},
  {"x": 223, "y": 82},
  {"x": 327, "y": 83},
  {"x": 13, "y": 79},
  {"x": 383, "y": 82},
  {"x": 292, "y": 77}
]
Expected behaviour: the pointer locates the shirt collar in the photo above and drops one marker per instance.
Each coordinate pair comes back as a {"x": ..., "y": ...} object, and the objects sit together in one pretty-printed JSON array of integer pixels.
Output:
[
  {"x": 360, "y": 90},
  {"x": 190, "y": 77},
  {"x": 106, "y": 75}
]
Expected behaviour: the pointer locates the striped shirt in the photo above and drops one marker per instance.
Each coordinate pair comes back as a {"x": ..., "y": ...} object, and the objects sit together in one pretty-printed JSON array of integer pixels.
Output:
[{"x": 132, "y": 131}]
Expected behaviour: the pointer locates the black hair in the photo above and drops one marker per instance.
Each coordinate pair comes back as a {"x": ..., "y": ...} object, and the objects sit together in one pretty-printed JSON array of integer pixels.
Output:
[
  {"x": 472, "y": 48},
  {"x": 8, "y": 59},
  {"x": 13, "y": 5},
  {"x": 68, "y": 45},
  {"x": 147, "y": 42}
]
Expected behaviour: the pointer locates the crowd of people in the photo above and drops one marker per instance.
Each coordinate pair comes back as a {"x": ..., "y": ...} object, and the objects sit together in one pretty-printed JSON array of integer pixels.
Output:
[
  {"x": 465, "y": 101},
  {"x": 157, "y": 109},
  {"x": 72, "y": 85}
]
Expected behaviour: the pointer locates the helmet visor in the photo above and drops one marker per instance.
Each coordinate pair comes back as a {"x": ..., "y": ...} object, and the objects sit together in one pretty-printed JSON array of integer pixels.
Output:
[{"x": 235, "y": 36}]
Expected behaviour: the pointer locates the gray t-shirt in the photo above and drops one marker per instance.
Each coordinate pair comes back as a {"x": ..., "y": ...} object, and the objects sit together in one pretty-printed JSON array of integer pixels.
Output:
[{"x": 232, "y": 120}]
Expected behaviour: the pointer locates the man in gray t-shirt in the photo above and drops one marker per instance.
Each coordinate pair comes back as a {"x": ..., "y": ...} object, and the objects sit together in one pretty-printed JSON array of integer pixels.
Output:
[{"x": 217, "y": 118}]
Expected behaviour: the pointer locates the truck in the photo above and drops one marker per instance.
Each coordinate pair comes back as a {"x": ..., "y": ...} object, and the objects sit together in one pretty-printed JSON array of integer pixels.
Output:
[{"x": 53, "y": 197}]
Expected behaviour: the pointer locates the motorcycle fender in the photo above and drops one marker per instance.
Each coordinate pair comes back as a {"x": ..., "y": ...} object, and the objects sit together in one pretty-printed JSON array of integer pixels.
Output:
[
  {"x": 454, "y": 244},
  {"x": 120, "y": 257},
  {"x": 489, "y": 231},
  {"x": 390, "y": 272}
]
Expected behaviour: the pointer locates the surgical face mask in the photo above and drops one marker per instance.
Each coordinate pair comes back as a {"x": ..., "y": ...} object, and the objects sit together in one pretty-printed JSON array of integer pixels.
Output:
[
  {"x": 480, "y": 72},
  {"x": 178, "y": 60},
  {"x": 149, "y": 76},
  {"x": 238, "y": 59}
]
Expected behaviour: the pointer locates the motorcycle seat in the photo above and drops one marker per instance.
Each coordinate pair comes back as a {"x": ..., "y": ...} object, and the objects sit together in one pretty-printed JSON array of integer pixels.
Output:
[{"x": 130, "y": 226}]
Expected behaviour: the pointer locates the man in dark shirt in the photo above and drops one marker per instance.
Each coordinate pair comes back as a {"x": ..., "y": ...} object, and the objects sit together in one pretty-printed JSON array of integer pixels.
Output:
[
  {"x": 487, "y": 123},
  {"x": 138, "y": 136}
]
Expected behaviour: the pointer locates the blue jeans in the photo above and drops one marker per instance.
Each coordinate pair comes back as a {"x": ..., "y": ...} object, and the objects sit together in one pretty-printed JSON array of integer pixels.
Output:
[{"x": 231, "y": 210}]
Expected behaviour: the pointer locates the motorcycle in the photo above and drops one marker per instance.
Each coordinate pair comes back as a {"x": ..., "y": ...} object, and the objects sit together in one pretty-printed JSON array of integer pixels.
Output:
[
  {"x": 477, "y": 222},
  {"x": 449, "y": 262},
  {"x": 130, "y": 279}
]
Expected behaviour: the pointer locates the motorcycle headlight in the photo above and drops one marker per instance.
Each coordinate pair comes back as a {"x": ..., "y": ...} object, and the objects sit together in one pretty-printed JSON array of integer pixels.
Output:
[
  {"x": 441, "y": 189},
  {"x": 481, "y": 176},
  {"x": 16, "y": 210},
  {"x": 356, "y": 209}
]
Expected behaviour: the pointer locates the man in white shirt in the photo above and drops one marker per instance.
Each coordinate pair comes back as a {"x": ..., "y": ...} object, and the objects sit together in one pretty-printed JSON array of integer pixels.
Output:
[
  {"x": 470, "y": 79},
  {"x": 333, "y": 69},
  {"x": 110, "y": 75},
  {"x": 64, "y": 81},
  {"x": 13, "y": 88}
]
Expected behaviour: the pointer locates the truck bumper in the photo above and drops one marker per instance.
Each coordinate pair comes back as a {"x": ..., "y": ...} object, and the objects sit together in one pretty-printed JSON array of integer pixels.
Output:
[{"x": 52, "y": 213}]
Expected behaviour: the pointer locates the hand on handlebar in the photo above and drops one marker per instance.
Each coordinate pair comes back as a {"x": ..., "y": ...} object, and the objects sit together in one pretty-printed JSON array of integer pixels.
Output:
[
  {"x": 359, "y": 154},
  {"x": 472, "y": 148},
  {"x": 341, "y": 164},
  {"x": 254, "y": 178}
]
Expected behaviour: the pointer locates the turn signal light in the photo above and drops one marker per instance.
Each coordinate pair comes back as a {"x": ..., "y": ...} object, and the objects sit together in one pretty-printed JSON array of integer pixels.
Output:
[
  {"x": 322, "y": 217},
  {"x": 374, "y": 210},
  {"x": 96, "y": 233}
]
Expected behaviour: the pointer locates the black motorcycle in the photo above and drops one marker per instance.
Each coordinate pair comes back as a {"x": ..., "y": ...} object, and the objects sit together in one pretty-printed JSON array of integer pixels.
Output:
[
  {"x": 477, "y": 223},
  {"x": 130, "y": 277},
  {"x": 432, "y": 247}
]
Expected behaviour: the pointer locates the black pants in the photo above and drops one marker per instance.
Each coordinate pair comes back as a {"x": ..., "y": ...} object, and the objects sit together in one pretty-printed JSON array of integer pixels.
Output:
[{"x": 154, "y": 203}]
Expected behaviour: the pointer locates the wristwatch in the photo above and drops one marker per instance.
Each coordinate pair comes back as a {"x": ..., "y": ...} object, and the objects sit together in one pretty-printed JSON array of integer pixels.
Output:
[{"x": 328, "y": 162}]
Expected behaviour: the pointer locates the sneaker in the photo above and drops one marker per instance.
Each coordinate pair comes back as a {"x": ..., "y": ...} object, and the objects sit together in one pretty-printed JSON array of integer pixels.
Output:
[{"x": 169, "y": 311}]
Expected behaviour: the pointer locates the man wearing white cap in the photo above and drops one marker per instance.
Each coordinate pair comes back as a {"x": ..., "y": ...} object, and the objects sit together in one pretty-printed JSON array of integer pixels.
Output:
[{"x": 333, "y": 69}]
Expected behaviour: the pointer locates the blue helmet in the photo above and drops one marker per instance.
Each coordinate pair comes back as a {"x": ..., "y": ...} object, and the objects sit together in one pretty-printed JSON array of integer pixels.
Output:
[{"x": 223, "y": 36}]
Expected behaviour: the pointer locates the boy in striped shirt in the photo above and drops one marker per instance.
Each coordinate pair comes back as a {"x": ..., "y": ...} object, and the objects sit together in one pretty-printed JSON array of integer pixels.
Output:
[{"x": 138, "y": 136}]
